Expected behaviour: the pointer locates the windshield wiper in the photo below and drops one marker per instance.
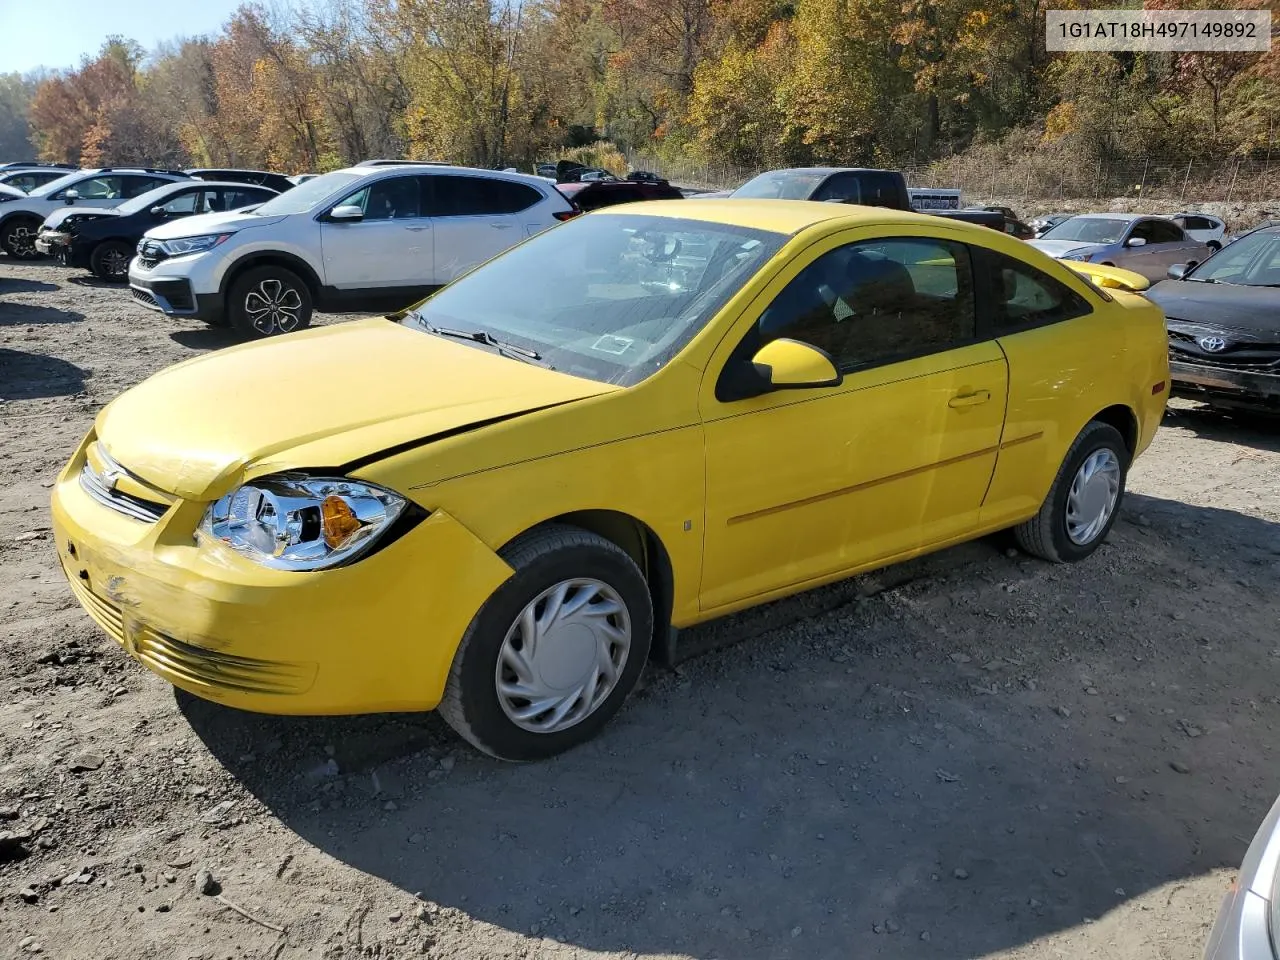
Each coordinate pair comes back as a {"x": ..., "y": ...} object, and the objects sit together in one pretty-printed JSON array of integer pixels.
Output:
[
  {"x": 1202, "y": 279},
  {"x": 504, "y": 348}
]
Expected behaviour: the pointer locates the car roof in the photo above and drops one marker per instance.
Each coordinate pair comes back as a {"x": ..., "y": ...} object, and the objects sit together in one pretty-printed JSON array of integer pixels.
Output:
[
  {"x": 1119, "y": 216},
  {"x": 777, "y": 216},
  {"x": 437, "y": 169}
]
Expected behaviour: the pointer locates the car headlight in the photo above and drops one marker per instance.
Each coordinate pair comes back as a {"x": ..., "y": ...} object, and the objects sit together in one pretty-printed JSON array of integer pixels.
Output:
[
  {"x": 1084, "y": 257},
  {"x": 297, "y": 522},
  {"x": 184, "y": 245}
]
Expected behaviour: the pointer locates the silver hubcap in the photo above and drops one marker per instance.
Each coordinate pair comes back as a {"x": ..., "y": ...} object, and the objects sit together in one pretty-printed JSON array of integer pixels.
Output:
[
  {"x": 22, "y": 241},
  {"x": 273, "y": 307},
  {"x": 563, "y": 656},
  {"x": 115, "y": 262},
  {"x": 1094, "y": 493}
]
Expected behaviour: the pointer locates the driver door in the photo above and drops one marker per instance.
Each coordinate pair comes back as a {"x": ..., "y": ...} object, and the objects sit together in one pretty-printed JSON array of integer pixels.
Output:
[
  {"x": 391, "y": 246},
  {"x": 805, "y": 485}
]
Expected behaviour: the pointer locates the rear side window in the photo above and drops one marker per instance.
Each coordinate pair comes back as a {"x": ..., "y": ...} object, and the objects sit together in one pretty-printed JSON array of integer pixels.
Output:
[
  {"x": 1194, "y": 223},
  {"x": 137, "y": 186},
  {"x": 478, "y": 196},
  {"x": 1024, "y": 297}
]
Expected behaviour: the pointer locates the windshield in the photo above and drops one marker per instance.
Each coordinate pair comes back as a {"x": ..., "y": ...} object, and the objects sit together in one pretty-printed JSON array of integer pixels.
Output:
[
  {"x": 608, "y": 297},
  {"x": 1088, "y": 230},
  {"x": 1252, "y": 261},
  {"x": 145, "y": 201},
  {"x": 55, "y": 185},
  {"x": 781, "y": 185},
  {"x": 306, "y": 195}
]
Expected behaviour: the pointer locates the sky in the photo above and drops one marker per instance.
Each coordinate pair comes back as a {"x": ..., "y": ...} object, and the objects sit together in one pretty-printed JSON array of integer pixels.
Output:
[{"x": 34, "y": 33}]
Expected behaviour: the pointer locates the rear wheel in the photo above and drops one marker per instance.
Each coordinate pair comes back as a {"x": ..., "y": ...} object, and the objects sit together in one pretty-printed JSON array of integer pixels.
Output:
[
  {"x": 110, "y": 260},
  {"x": 266, "y": 301},
  {"x": 1084, "y": 499},
  {"x": 19, "y": 238},
  {"x": 555, "y": 651}
]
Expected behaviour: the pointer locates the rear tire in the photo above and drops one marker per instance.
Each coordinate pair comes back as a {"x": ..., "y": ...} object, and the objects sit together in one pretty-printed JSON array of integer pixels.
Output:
[
  {"x": 1084, "y": 500},
  {"x": 110, "y": 261},
  {"x": 554, "y": 652},
  {"x": 268, "y": 301},
  {"x": 19, "y": 238}
]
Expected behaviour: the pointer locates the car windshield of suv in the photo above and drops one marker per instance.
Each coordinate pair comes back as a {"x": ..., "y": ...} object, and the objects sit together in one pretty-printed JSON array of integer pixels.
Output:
[
  {"x": 617, "y": 296},
  {"x": 1088, "y": 230},
  {"x": 781, "y": 185},
  {"x": 306, "y": 195},
  {"x": 1252, "y": 261},
  {"x": 53, "y": 186}
]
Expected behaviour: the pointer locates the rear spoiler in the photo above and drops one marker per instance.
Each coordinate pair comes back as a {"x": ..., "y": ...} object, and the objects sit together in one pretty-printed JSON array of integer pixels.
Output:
[{"x": 1112, "y": 277}]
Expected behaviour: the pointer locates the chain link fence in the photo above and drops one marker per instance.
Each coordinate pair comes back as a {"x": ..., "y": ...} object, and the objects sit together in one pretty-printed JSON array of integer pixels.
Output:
[{"x": 1040, "y": 177}]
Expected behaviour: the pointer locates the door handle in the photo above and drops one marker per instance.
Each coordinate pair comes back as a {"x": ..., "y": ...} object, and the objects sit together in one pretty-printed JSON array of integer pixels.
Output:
[
  {"x": 969, "y": 399},
  {"x": 417, "y": 229},
  {"x": 501, "y": 226}
]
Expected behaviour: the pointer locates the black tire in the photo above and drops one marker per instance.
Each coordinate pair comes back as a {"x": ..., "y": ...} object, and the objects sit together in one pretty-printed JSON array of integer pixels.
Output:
[
  {"x": 110, "y": 260},
  {"x": 253, "y": 294},
  {"x": 19, "y": 238},
  {"x": 1214, "y": 245},
  {"x": 1045, "y": 535},
  {"x": 541, "y": 559}
]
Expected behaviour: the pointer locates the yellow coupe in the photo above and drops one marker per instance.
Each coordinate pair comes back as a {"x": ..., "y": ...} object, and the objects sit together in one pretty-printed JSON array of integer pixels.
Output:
[{"x": 496, "y": 503}]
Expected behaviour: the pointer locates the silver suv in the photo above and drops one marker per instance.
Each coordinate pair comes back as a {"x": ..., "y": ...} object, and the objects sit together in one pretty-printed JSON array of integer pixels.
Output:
[
  {"x": 20, "y": 217},
  {"x": 360, "y": 238}
]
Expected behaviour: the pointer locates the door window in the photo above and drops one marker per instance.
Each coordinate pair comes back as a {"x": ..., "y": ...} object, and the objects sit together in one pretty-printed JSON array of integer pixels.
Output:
[
  {"x": 395, "y": 198},
  {"x": 1025, "y": 297},
  {"x": 479, "y": 196},
  {"x": 877, "y": 301},
  {"x": 235, "y": 199},
  {"x": 133, "y": 186},
  {"x": 1158, "y": 231},
  {"x": 191, "y": 202},
  {"x": 99, "y": 188}
]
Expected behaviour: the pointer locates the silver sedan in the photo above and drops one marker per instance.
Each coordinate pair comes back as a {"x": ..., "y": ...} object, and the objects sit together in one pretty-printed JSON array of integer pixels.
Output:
[
  {"x": 1145, "y": 245},
  {"x": 1248, "y": 924}
]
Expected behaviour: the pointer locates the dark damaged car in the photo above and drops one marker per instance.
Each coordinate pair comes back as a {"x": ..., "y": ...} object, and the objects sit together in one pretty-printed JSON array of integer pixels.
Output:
[{"x": 1224, "y": 324}]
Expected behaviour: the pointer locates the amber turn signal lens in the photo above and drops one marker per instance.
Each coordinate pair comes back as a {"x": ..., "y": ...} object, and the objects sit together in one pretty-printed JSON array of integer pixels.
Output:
[{"x": 337, "y": 520}]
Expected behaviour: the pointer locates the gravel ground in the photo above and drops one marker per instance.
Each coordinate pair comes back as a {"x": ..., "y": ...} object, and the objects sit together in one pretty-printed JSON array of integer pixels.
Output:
[{"x": 976, "y": 754}]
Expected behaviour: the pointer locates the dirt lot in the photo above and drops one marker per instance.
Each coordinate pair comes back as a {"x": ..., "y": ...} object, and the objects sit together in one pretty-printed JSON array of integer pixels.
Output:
[{"x": 975, "y": 755}]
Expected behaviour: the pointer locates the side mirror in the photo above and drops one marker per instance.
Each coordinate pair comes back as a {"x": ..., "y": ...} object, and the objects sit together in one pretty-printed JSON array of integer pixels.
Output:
[
  {"x": 791, "y": 365},
  {"x": 1135, "y": 242},
  {"x": 347, "y": 213},
  {"x": 71, "y": 196},
  {"x": 157, "y": 211},
  {"x": 1177, "y": 271}
]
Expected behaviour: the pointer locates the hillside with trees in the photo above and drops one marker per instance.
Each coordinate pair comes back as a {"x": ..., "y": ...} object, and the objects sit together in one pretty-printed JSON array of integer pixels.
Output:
[{"x": 748, "y": 83}]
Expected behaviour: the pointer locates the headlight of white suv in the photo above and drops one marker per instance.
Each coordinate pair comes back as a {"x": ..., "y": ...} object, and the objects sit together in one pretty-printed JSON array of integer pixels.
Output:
[
  {"x": 185, "y": 245},
  {"x": 296, "y": 522}
]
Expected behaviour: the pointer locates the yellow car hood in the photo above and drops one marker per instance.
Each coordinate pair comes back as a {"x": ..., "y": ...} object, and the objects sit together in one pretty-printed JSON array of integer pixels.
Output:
[{"x": 317, "y": 399}]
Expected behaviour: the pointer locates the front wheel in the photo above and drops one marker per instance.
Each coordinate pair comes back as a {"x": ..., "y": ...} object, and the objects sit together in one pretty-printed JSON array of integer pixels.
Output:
[
  {"x": 555, "y": 650},
  {"x": 110, "y": 260},
  {"x": 266, "y": 301},
  {"x": 1084, "y": 499},
  {"x": 19, "y": 238}
]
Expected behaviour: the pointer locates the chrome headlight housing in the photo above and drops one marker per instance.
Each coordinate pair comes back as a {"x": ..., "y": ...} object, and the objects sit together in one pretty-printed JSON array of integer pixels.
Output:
[
  {"x": 184, "y": 245},
  {"x": 299, "y": 522},
  {"x": 1084, "y": 257}
]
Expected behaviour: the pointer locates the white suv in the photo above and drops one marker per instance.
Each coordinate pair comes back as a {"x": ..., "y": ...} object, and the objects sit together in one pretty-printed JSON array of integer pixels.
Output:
[
  {"x": 20, "y": 217},
  {"x": 363, "y": 237}
]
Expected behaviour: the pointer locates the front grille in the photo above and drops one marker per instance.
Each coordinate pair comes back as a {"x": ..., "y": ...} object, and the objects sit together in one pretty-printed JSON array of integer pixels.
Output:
[
  {"x": 150, "y": 253},
  {"x": 104, "y": 614},
  {"x": 144, "y": 298},
  {"x": 1256, "y": 360},
  {"x": 1181, "y": 337},
  {"x": 101, "y": 484},
  {"x": 188, "y": 665}
]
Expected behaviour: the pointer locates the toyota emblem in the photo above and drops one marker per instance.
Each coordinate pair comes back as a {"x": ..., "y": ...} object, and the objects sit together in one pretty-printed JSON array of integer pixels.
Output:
[{"x": 1212, "y": 344}]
